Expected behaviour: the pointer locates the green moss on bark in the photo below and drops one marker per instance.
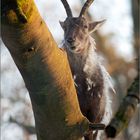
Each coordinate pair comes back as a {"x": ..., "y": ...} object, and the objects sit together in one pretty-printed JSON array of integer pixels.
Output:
[{"x": 16, "y": 12}]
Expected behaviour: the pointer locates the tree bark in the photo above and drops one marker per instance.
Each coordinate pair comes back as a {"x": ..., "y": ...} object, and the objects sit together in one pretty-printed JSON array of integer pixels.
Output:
[
  {"x": 126, "y": 110},
  {"x": 45, "y": 70}
]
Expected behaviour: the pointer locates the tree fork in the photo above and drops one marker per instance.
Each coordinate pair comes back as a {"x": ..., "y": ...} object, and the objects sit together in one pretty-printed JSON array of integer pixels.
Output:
[{"x": 45, "y": 70}]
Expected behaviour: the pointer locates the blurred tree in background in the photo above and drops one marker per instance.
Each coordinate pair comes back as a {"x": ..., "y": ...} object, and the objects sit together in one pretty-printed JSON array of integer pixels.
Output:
[{"x": 117, "y": 42}]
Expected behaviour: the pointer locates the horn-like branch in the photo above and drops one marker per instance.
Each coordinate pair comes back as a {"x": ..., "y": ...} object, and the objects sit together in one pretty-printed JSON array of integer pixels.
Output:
[
  {"x": 85, "y": 7},
  {"x": 67, "y": 8}
]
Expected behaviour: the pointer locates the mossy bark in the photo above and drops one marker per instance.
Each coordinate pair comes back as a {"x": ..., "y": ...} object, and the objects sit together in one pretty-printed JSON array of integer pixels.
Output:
[
  {"x": 126, "y": 110},
  {"x": 45, "y": 70}
]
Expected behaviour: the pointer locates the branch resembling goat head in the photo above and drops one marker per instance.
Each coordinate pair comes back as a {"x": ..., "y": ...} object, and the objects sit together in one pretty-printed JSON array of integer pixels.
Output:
[{"x": 78, "y": 29}]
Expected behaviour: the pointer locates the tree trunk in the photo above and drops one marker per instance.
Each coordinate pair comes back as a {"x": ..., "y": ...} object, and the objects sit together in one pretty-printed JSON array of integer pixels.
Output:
[{"x": 45, "y": 70}]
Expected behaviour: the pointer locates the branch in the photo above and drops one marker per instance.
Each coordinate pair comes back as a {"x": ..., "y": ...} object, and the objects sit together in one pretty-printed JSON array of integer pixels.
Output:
[
  {"x": 45, "y": 70},
  {"x": 125, "y": 111},
  {"x": 31, "y": 129},
  {"x": 96, "y": 126}
]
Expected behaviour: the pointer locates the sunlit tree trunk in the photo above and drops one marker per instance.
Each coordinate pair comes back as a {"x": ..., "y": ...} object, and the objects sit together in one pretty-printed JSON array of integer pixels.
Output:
[{"x": 45, "y": 71}]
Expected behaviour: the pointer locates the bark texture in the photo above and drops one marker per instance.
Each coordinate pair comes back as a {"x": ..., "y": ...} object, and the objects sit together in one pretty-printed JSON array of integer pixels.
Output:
[
  {"x": 126, "y": 110},
  {"x": 45, "y": 70}
]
